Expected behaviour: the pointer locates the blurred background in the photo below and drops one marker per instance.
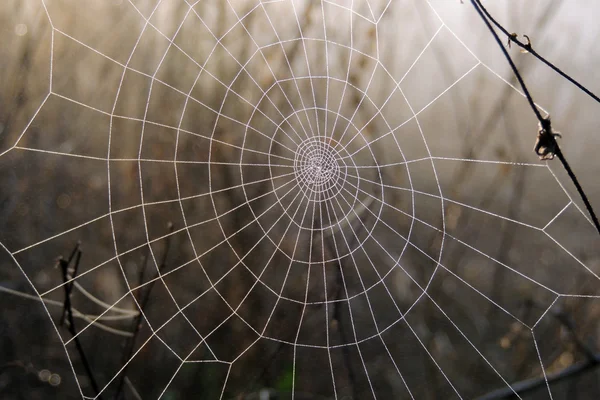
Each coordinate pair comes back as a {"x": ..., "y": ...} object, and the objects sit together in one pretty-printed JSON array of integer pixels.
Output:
[{"x": 164, "y": 150}]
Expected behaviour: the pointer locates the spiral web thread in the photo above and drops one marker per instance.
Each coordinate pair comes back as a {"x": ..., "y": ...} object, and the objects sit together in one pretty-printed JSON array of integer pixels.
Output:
[{"x": 318, "y": 189}]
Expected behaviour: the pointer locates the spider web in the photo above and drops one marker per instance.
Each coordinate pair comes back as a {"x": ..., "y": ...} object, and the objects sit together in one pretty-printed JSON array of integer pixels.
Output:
[{"x": 292, "y": 191}]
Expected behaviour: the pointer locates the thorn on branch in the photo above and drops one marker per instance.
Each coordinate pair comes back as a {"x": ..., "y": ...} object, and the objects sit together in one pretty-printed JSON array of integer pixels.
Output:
[
  {"x": 545, "y": 144},
  {"x": 527, "y": 46},
  {"x": 512, "y": 37},
  {"x": 489, "y": 19}
]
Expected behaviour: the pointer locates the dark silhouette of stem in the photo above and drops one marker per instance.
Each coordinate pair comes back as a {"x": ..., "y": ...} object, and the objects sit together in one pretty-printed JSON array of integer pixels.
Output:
[
  {"x": 68, "y": 286},
  {"x": 592, "y": 361},
  {"x": 337, "y": 316},
  {"x": 544, "y": 122},
  {"x": 144, "y": 297},
  {"x": 530, "y": 385},
  {"x": 68, "y": 280},
  {"x": 588, "y": 206},
  {"x": 529, "y": 48},
  {"x": 337, "y": 310}
]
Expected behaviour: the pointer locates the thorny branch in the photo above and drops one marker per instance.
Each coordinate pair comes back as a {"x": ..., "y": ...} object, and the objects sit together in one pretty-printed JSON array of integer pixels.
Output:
[
  {"x": 546, "y": 147},
  {"x": 548, "y": 136},
  {"x": 528, "y": 48}
]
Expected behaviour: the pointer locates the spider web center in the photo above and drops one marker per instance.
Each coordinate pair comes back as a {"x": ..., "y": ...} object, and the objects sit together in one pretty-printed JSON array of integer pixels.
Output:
[{"x": 317, "y": 169}]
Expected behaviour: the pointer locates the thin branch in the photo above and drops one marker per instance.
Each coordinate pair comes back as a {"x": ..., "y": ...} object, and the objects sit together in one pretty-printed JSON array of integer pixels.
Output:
[
  {"x": 545, "y": 123},
  {"x": 571, "y": 174},
  {"x": 67, "y": 284},
  {"x": 533, "y": 384},
  {"x": 68, "y": 276},
  {"x": 143, "y": 301},
  {"x": 337, "y": 317},
  {"x": 339, "y": 285},
  {"x": 512, "y": 37},
  {"x": 593, "y": 360},
  {"x": 529, "y": 385}
]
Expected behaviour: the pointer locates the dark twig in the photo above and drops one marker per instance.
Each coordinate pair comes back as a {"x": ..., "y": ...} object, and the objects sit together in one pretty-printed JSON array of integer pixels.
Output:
[
  {"x": 482, "y": 14},
  {"x": 533, "y": 384},
  {"x": 592, "y": 361},
  {"x": 69, "y": 275},
  {"x": 545, "y": 124},
  {"x": 512, "y": 37},
  {"x": 337, "y": 317},
  {"x": 588, "y": 206},
  {"x": 143, "y": 297},
  {"x": 68, "y": 285},
  {"x": 337, "y": 310}
]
